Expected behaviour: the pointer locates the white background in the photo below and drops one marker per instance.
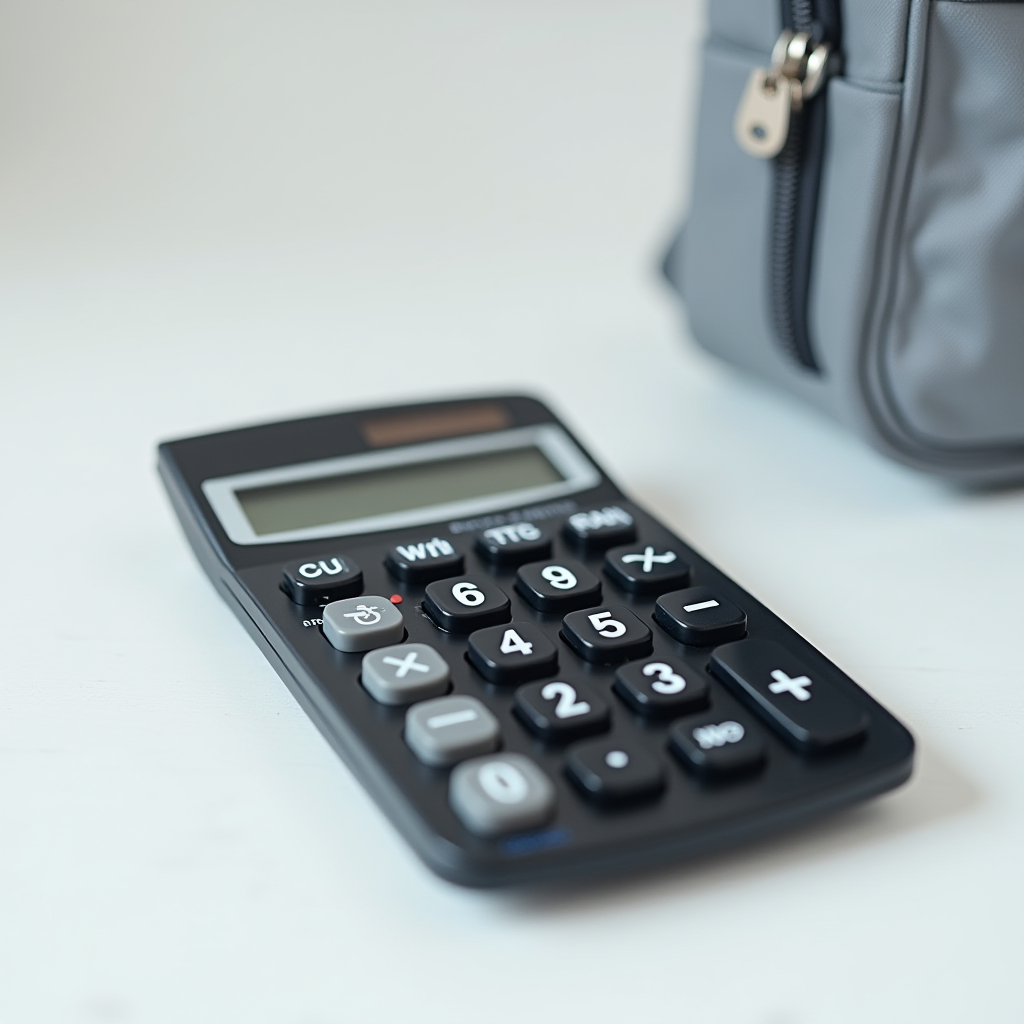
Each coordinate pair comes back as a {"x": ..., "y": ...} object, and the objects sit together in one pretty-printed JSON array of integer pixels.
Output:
[{"x": 215, "y": 212}]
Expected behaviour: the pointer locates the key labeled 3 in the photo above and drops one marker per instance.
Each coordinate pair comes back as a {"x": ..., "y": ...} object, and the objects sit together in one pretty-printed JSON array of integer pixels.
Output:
[{"x": 661, "y": 687}]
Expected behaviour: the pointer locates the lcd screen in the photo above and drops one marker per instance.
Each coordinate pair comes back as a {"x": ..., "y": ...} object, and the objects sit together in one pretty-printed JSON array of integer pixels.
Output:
[{"x": 335, "y": 499}]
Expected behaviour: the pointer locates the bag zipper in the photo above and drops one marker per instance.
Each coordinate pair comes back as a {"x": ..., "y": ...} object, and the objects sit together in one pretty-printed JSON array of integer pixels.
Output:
[{"x": 778, "y": 119}]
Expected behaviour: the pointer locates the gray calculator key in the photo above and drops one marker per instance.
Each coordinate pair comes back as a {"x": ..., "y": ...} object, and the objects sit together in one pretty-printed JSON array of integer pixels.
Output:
[
  {"x": 502, "y": 793},
  {"x": 362, "y": 623},
  {"x": 450, "y": 729},
  {"x": 406, "y": 673}
]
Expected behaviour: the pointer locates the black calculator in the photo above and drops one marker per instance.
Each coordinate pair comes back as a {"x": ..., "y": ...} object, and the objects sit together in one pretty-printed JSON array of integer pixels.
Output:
[{"x": 535, "y": 679}]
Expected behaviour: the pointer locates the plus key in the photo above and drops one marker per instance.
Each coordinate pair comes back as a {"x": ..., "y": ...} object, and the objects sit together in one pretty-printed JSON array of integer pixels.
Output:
[
  {"x": 811, "y": 711},
  {"x": 799, "y": 687}
]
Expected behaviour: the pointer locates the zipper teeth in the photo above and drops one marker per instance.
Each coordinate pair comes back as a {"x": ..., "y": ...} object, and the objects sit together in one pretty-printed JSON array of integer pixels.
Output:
[
  {"x": 801, "y": 14},
  {"x": 787, "y": 319},
  {"x": 784, "y": 213}
]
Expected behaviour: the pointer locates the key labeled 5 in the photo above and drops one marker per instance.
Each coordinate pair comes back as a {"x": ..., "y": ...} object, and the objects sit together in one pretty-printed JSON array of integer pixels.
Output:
[{"x": 606, "y": 635}]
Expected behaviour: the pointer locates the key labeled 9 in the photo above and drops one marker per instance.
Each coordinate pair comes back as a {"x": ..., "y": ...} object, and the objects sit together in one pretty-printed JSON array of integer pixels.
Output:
[
  {"x": 558, "y": 586},
  {"x": 559, "y": 577}
]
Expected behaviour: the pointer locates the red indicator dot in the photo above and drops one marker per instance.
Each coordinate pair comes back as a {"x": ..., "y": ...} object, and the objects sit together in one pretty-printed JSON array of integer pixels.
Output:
[{"x": 395, "y": 599}]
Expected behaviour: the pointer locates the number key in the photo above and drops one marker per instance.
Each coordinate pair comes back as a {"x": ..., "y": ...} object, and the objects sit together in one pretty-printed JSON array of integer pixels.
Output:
[
  {"x": 606, "y": 635},
  {"x": 463, "y": 604},
  {"x": 558, "y": 710},
  {"x": 558, "y": 586},
  {"x": 661, "y": 687},
  {"x": 511, "y": 653},
  {"x": 502, "y": 793}
]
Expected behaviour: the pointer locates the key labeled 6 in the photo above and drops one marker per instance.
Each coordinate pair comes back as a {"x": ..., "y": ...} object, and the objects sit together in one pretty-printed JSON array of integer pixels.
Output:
[{"x": 462, "y": 604}]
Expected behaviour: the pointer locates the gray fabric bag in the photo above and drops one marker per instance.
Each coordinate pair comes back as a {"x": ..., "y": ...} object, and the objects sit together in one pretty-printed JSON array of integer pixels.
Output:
[{"x": 875, "y": 265}]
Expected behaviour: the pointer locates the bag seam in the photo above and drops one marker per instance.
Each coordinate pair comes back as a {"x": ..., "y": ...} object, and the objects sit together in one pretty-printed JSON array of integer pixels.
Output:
[{"x": 887, "y": 417}]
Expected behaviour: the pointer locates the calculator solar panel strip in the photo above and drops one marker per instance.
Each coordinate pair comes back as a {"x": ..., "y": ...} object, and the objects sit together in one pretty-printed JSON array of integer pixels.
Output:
[{"x": 551, "y": 685}]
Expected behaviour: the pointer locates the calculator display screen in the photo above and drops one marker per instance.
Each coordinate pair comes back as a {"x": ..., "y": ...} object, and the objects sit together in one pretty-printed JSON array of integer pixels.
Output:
[{"x": 304, "y": 504}]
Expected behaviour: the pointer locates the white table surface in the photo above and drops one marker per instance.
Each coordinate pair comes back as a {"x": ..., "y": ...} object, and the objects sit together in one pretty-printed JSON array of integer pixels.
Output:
[{"x": 214, "y": 213}]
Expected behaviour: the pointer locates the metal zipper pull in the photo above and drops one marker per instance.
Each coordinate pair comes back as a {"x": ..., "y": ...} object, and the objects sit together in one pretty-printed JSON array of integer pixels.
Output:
[{"x": 773, "y": 95}]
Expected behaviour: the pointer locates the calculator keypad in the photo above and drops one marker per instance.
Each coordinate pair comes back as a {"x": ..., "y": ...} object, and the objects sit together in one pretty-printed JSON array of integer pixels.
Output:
[
  {"x": 462, "y": 604},
  {"x": 560, "y": 586},
  {"x": 646, "y": 569},
  {"x": 512, "y": 653},
  {"x": 609, "y": 771},
  {"x": 606, "y": 635},
  {"x": 447, "y": 730},
  {"x": 646, "y": 716},
  {"x": 558, "y": 710}
]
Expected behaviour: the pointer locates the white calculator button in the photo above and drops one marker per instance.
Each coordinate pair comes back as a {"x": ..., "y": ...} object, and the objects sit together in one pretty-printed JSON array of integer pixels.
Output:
[
  {"x": 450, "y": 729},
  {"x": 502, "y": 793},
  {"x": 362, "y": 623}
]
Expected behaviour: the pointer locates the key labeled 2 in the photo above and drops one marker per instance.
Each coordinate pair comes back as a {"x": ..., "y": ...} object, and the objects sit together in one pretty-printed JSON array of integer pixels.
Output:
[
  {"x": 512, "y": 653},
  {"x": 606, "y": 635},
  {"x": 559, "y": 710}
]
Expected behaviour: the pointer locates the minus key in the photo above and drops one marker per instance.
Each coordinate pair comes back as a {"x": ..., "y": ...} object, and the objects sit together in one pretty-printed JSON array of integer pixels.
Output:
[{"x": 700, "y": 617}]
